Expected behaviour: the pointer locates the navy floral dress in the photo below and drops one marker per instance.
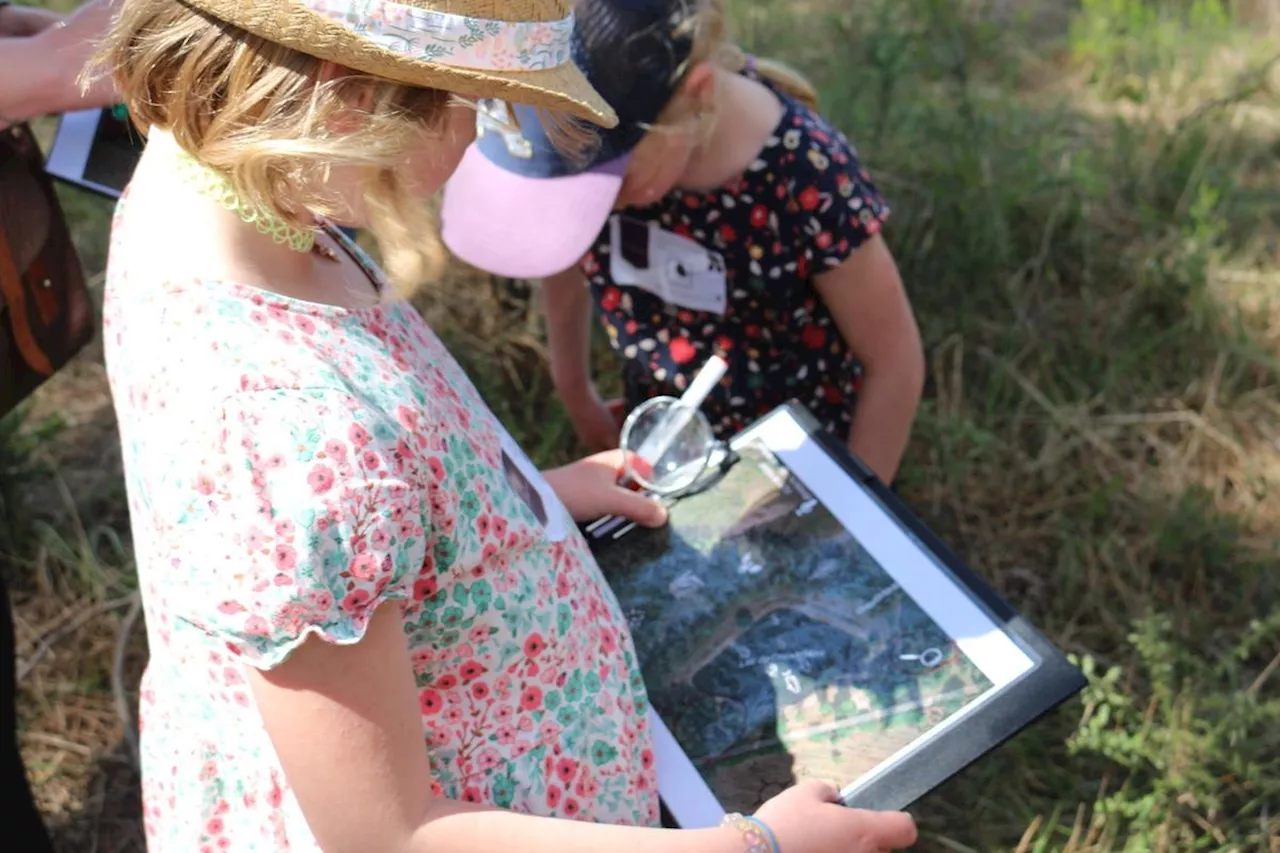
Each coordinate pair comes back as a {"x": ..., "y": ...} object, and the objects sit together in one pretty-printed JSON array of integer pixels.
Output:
[{"x": 802, "y": 207}]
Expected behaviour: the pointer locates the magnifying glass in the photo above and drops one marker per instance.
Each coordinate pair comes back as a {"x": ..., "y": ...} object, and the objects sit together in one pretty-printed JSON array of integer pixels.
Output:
[{"x": 667, "y": 442}]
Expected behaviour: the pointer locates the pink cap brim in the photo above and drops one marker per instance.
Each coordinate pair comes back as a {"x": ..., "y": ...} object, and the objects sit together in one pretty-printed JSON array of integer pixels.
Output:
[{"x": 522, "y": 227}]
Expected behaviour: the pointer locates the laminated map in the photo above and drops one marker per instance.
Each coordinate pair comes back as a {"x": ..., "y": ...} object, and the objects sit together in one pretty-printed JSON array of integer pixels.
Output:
[{"x": 773, "y": 645}]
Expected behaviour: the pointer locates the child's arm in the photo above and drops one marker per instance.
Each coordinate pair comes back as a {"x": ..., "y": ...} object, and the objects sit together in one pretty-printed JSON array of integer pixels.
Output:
[
  {"x": 345, "y": 724},
  {"x": 870, "y": 307},
  {"x": 567, "y": 303}
]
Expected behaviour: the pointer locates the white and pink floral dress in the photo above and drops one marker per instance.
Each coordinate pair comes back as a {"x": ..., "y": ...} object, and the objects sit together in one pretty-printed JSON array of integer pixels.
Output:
[{"x": 290, "y": 467}]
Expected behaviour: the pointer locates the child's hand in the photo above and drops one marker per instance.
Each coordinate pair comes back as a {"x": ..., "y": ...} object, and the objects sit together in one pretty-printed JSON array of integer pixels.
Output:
[
  {"x": 598, "y": 424},
  {"x": 806, "y": 818},
  {"x": 589, "y": 488}
]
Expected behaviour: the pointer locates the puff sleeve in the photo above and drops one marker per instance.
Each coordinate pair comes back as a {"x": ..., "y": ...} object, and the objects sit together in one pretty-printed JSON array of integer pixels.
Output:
[
  {"x": 304, "y": 511},
  {"x": 835, "y": 207}
]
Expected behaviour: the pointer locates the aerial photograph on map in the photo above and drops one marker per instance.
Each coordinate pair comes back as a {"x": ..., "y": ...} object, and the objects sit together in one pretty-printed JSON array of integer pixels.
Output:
[{"x": 773, "y": 645}]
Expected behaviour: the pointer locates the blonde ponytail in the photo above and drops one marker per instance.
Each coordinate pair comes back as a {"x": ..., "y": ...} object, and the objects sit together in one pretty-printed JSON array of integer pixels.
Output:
[
  {"x": 788, "y": 80},
  {"x": 713, "y": 42}
]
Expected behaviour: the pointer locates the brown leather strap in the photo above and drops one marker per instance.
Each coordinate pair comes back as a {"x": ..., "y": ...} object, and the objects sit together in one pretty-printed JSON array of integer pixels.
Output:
[{"x": 15, "y": 296}]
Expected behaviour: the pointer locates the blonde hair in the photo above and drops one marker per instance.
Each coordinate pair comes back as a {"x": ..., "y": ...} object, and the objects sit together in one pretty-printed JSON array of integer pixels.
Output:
[
  {"x": 259, "y": 113},
  {"x": 713, "y": 42}
]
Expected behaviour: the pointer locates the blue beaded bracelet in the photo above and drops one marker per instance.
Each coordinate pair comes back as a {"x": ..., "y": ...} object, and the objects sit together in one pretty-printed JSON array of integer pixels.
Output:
[{"x": 759, "y": 837}]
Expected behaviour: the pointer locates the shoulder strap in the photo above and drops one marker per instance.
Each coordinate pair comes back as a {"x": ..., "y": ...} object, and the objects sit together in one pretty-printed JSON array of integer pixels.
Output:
[
  {"x": 16, "y": 300},
  {"x": 344, "y": 239}
]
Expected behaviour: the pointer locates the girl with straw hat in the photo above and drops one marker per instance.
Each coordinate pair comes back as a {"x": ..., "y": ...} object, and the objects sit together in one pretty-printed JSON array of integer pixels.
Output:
[{"x": 372, "y": 622}]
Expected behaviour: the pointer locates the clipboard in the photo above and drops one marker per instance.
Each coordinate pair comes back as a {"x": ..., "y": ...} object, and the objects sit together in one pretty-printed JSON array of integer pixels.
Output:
[{"x": 796, "y": 619}]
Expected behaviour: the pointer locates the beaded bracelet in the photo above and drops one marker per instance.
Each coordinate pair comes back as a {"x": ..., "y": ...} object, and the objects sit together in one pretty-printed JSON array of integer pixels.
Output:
[{"x": 759, "y": 837}]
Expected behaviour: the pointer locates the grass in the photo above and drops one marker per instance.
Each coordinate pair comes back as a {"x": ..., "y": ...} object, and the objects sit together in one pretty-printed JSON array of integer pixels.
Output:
[{"x": 1086, "y": 208}]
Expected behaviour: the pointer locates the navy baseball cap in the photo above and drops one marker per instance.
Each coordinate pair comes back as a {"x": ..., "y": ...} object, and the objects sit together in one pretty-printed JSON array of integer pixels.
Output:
[{"x": 516, "y": 206}]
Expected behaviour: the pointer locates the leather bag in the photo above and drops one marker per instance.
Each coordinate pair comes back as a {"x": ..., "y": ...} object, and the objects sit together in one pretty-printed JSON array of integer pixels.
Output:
[{"x": 46, "y": 314}]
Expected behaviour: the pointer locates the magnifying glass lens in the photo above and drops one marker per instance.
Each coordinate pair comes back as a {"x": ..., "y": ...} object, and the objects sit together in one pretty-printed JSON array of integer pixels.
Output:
[{"x": 667, "y": 445}]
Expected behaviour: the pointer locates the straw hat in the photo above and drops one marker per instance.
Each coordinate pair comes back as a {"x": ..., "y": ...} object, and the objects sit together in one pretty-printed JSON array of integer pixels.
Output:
[{"x": 516, "y": 50}]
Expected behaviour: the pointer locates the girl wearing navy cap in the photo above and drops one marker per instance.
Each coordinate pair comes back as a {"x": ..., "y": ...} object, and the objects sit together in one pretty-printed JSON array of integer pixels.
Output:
[{"x": 722, "y": 216}]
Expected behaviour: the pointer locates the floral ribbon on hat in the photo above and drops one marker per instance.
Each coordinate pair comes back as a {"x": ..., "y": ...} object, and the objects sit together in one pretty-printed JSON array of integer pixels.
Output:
[{"x": 455, "y": 40}]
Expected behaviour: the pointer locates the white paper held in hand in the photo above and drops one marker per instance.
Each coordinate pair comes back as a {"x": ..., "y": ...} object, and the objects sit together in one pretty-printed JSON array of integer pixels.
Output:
[{"x": 659, "y": 441}]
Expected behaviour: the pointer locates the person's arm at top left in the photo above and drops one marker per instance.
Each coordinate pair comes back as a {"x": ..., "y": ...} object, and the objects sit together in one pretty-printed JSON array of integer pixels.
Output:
[
  {"x": 20, "y": 21},
  {"x": 39, "y": 72}
]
